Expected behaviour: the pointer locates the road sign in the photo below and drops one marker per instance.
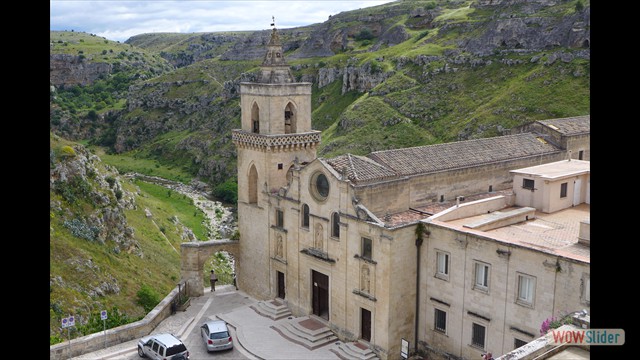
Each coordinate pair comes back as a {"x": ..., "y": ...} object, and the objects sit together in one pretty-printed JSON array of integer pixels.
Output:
[
  {"x": 72, "y": 321},
  {"x": 404, "y": 348},
  {"x": 65, "y": 323},
  {"x": 103, "y": 315}
]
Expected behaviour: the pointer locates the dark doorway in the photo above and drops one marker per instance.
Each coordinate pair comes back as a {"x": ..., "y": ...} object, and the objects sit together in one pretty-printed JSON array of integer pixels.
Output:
[
  {"x": 365, "y": 324},
  {"x": 281, "y": 286},
  {"x": 320, "y": 284}
]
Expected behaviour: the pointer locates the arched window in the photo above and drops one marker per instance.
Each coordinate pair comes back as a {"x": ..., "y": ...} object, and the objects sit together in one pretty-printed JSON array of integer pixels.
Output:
[
  {"x": 305, "y": 216},
  {"x": 289, "y": 119},
  {"x": 253, "y": 185},
  {"x": 255, "y": 118},
  {"x": 335, "y": 225}
]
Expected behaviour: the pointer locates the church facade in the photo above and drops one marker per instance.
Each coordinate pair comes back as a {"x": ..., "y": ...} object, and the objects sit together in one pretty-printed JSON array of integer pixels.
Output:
[{"x": 348, "y": 239}]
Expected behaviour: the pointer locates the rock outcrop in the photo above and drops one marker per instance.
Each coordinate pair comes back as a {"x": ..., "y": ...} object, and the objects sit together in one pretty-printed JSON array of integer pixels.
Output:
[{"x": 68, "y": 70}]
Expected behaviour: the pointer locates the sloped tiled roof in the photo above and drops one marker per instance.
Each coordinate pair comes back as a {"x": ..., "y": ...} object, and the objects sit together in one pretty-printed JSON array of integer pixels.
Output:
[
  {"x": 461, "y": 154},
  {"x": 360, "y": 168},
  {"x": 570, "y": 125}
]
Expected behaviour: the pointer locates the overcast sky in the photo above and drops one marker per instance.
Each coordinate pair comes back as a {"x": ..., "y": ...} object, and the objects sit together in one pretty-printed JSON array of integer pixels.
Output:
[{"x": 119, "y": 20}]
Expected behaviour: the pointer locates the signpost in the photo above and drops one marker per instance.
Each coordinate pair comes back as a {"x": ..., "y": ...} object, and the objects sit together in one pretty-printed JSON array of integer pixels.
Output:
[
  {"x": 103, "y": 316},
  {"x": 67, "y": 323},
  {"x": 404, "y": 349}
]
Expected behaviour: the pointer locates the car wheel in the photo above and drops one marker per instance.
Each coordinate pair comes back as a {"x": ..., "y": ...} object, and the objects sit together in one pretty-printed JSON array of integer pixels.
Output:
[{"x": 141, "y": 352}]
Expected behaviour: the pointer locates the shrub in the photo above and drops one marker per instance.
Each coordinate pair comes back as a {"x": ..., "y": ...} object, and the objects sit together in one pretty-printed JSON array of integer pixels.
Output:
[
  {"x": 68, "y": 151},
  {"x": 553, "y": 322},
  {"x": 110, "y": 180},
  {"x": 147, "y": 298},
  {"x": 95, "y": 324},
  {"x": 227, "y": 191},
  {"x": 364, "y": 34},
  {"x": 82, "y": 230}
]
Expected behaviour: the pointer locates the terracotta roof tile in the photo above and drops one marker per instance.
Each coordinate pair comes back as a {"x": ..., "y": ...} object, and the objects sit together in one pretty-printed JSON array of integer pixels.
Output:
[
  {"x": 570, "y": 125},
  {"x": 360, "y": 168},
  {"x": 461, "y": 154}
]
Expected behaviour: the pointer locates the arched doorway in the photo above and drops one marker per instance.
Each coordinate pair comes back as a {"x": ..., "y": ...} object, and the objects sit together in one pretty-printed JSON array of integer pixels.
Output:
[{"x": 224, "y": 265}]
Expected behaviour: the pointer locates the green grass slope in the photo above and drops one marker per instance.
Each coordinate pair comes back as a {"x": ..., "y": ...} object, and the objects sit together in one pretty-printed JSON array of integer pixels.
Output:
[{"x": 90, "y": 272}]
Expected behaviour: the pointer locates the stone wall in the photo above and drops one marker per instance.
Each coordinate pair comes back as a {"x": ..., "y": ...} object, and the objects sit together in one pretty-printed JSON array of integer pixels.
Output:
[{"x": 114, "y": 336}]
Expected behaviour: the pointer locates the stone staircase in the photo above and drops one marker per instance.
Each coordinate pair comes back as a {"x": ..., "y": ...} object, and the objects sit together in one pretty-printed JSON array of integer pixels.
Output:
[
  {"x": 274, "y": 309},
  {"x": 354, "y": 350},
  {"x": 308, "y": 332}
]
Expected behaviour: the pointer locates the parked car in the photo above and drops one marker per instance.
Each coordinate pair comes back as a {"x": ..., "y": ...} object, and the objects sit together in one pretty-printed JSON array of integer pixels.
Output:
[
  {"x": 162, "y": 347},
  {"x": 216, "y": 335}
]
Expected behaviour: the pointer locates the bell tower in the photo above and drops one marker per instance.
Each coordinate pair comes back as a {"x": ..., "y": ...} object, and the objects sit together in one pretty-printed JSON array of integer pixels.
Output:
[{"x": 275, "y": 136}]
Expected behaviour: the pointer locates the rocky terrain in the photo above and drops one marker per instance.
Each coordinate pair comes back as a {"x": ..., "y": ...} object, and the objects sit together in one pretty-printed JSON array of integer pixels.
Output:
[{"x": 442, "y": 50}]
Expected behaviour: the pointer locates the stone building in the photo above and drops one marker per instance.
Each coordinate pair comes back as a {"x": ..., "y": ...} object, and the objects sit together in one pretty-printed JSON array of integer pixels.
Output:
[{"x": 353, "y": 241}]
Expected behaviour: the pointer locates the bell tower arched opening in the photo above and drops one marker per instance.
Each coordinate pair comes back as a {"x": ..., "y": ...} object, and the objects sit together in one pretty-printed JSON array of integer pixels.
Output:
[
  {"x": 253, "y": 185},
  {"x": 290, "y": 119},
  {"x": 255, "y": 118}
]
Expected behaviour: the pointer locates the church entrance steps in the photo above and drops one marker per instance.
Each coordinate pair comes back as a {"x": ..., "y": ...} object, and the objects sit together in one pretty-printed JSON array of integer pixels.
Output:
[
  {"x": 354, "y": 350},
  {"x": 306, "y": 331},
  {"x": 274, "y": 309}
]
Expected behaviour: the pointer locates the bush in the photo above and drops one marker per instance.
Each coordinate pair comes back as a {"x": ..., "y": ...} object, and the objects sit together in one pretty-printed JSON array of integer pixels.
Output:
[
  {"x": 95, "y": 324},
  {"x": 147, "y": 298},
  {"x": 364, "y": 34},
  {"x": 68, "y": 151},
  {"x": 227, "y": 191},
  {"x": 81, "y": 229}
]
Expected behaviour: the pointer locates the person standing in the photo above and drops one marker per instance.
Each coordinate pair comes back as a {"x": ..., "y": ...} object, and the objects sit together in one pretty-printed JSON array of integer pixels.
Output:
[{"x": 213, "y": 278}]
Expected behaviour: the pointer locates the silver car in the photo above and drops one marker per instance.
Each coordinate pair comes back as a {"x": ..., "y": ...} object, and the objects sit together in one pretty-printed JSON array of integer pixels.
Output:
[
  {"x": 216, "y": 336},
  {"x": 162, "y": 346}
]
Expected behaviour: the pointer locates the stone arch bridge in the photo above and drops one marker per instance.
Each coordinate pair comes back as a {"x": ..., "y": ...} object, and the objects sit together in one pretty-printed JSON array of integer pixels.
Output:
[{"x": 193, "y": 256}]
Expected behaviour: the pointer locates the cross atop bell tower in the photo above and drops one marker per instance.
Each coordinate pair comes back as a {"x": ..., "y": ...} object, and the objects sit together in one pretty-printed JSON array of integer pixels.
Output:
[{"x": 274, "y": 68}]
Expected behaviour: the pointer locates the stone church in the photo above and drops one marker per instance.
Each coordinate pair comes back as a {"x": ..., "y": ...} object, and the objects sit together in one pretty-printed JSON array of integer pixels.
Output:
[{"x": 362, "y": 243}]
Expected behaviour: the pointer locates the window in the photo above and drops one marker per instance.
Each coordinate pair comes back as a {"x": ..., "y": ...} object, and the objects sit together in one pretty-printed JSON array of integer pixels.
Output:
[
  {"x": 440, "y": 321},
  {"x": 482, "y": 276},
  {"x": 442, "y": 265},
  {"x": 528, "y": 183},
  {"x": 586, "y": 289},
  {"x": 518, "y": 343},
  {"x": 305, "y": 216},
  {"x": 526, "y": 289},
  {"x": 580, "y": 154},
  {"x": 366, "y": 248},
  {"x": 279, "y": 218},
  {"x": 478, "y": 333},
  {"x": 335, "y": 225},
  {"x": 319, "y": 186},
  {"x": 563, "y": 190}
]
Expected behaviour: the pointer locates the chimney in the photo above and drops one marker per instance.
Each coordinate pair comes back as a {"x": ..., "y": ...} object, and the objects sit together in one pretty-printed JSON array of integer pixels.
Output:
[{"x": 584, "y": 237}]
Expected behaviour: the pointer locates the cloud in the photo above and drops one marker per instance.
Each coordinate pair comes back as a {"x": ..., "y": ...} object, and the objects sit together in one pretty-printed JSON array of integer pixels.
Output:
[{"x": 119, "y": 20}]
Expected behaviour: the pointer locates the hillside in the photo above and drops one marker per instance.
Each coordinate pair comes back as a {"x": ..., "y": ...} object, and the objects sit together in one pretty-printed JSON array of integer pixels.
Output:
[
  {"x": 401, "y": 74},
  {"x": 105, "y": 227}
]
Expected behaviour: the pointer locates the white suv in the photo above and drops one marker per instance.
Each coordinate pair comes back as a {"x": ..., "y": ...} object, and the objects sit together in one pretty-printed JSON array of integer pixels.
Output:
[{"x": 162, "y": 347}]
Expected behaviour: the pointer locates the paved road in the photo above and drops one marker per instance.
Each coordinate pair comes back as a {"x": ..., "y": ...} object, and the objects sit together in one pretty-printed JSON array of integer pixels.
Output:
[{"x": 253, "y": 335}]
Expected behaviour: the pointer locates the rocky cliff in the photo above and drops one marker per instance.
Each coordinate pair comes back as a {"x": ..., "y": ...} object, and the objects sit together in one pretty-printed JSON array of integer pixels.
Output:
[{"x": 79, "y": 177}]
